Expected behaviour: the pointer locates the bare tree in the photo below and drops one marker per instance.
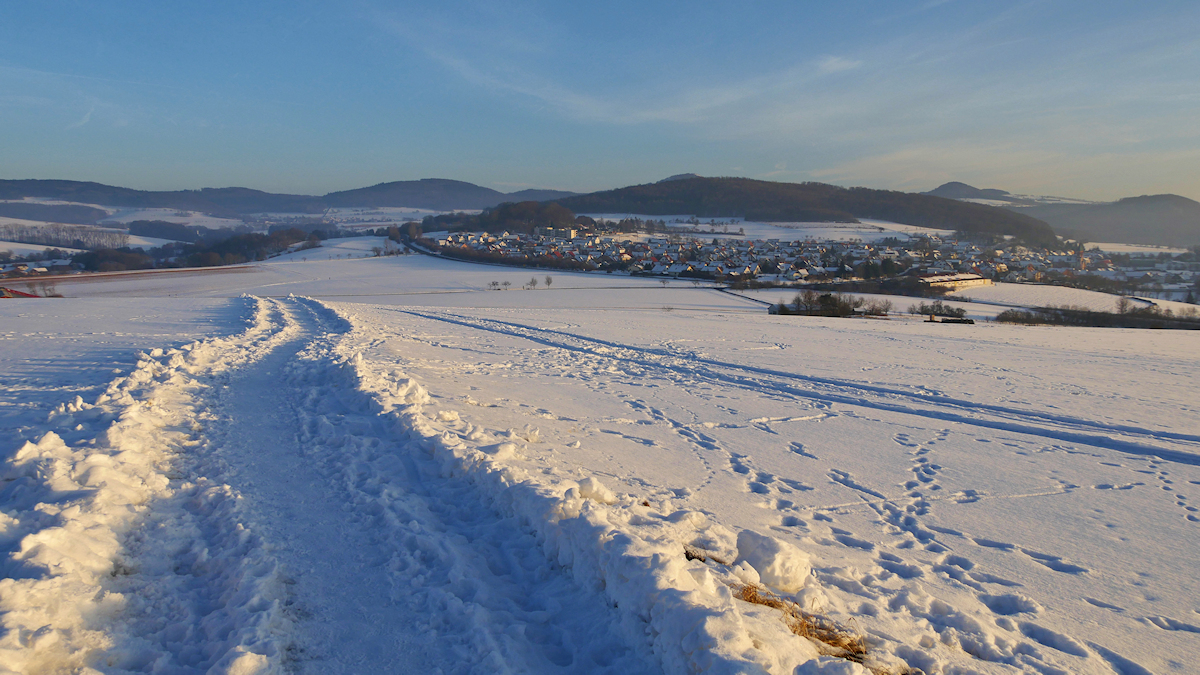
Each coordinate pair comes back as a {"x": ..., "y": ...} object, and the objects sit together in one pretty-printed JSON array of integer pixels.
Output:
[
  {"x": 878, "y": 307},
  {"x": 533, "y": 283},
  {"x": 808, "y": 300},
  {"x": 506, "y": 284},
  {"x": 549, "y": 280}
]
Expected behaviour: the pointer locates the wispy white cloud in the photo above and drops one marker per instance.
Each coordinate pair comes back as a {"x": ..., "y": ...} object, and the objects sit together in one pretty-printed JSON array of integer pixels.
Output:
[
  {"x": 481, "y": 57},
  {"x": 837, "y": 64},
  {"x": 87, "y": 117},
  {"x": 932, "y": 4}
]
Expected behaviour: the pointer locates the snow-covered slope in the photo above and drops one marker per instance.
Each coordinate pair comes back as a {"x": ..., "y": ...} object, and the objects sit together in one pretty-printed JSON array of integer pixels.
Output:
[
  {"x": 19, "y": 249},
  {"x": 415, "y": 470}
]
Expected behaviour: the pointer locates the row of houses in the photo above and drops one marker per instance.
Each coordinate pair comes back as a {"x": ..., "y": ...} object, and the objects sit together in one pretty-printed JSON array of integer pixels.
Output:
[
  {"x": 37, "y": 269},
  {"x": 671, "y": 256},
  {"x": 949, "y": 263}
]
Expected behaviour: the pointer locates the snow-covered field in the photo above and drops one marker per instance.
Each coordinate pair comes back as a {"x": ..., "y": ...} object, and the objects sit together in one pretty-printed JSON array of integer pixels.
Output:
[
  {"x": 133, "y": 241},
  {"x": 332, "y": 249},
  {"x": 1039, "y": 295},
  {"x": 978, "y": 311},
  {"x": 867, "y": 230},
  {"x": 376, "y": 464},
  {"x": 1142, "y": 249},
  {"x": 128, "y": 215},
  {"x": 19, "y": 249},
  {"x": 381, "y": 216}
]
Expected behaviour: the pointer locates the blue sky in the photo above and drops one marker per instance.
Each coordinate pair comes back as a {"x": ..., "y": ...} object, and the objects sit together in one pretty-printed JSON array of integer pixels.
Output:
[{"x": 1096, "y": 99}]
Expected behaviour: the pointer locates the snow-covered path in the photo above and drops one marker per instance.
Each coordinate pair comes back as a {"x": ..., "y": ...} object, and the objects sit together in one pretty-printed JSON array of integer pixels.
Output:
[
  {"x": 392, "y": 567},
  {"x": 345, "y": 623}
]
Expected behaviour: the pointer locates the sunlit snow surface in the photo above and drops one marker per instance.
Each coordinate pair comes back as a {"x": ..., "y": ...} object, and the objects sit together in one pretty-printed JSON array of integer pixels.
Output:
[{"x": 408, "y": 452}]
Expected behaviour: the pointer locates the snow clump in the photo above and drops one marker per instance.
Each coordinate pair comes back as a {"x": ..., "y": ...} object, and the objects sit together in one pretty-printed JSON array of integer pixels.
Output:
[
  {"x": 590, "y": 488},
  {"x": 779, "y": 564}
]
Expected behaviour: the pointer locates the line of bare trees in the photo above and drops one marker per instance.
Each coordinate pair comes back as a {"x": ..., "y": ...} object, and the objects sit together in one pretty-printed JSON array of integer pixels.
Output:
[{"x": 58, "y": 234}]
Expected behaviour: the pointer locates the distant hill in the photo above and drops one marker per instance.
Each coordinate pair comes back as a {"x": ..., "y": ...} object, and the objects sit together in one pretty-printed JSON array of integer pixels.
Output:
[
  {"x": 1163, "y": 220},
  {"x": 52, "y": 213},
  {"x": 215, "y": 201},
  {"x": 956, "y": 190},
  {"x": 430, "y": 193},
  {"x": 438, "y": 194},
  {"x": 537, "y": 195},
  {"x": 806, "y": 202},
  {"x": 679, "y": 176}
]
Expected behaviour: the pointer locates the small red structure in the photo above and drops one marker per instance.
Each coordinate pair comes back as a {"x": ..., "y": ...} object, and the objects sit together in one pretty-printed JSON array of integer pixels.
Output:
[{"x": 10, "y": 293}]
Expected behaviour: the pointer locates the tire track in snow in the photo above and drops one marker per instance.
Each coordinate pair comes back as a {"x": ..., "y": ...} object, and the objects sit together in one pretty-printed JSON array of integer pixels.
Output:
[
  {"x": 1134, "y": 440},
  {"x": 977, "y": 621}
]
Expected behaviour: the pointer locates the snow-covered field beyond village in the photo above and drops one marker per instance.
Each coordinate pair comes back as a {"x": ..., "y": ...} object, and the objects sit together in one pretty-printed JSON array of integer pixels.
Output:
[
  {"x": 371, "y": 465},
  {"x": 867, "y": 230}
]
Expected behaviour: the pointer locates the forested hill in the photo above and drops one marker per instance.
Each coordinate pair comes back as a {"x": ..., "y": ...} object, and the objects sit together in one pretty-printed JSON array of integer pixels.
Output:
[
  {"x": 216, "y": 201},
  {"x": 428, "y": 193},
  {"x": 438, "y": 194},
  {"x": 1163, "y": 220},
  {"x": 806, "y": 202}
]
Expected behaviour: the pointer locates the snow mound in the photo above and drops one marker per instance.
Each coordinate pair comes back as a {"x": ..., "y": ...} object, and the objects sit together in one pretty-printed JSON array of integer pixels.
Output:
[
  {"x": 779, "y": 564},
  {"x": 590, "y": 488}
]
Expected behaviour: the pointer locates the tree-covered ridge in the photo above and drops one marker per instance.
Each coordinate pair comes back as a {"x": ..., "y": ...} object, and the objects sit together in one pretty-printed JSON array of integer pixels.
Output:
[
  {"x": 520, "y": 217},
  {"x": 428, "y": 193},
  {"x": 807, "y": 202}
]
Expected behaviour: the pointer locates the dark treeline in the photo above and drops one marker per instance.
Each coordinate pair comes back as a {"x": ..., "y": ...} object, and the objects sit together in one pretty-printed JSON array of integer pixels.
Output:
[
  {"x": 234, "y": 250},
  {"x": 523, "y": 217},
  {"x": 519, "y": 217},
  {"x": 798, "y": 202},
  {"x": 162, "y": 229},
  {"x": 242, "y": 248},
  {"x": 937, "y": 308},
  {"x": 59, "y": 234},
  {"x": 812, "y": 303},
  {"x": 114, "y": 260},
  {"x": 472, "y": 255},
  {"x": 48, "y": 253},
  {"x": 1125, "y": 317}
]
